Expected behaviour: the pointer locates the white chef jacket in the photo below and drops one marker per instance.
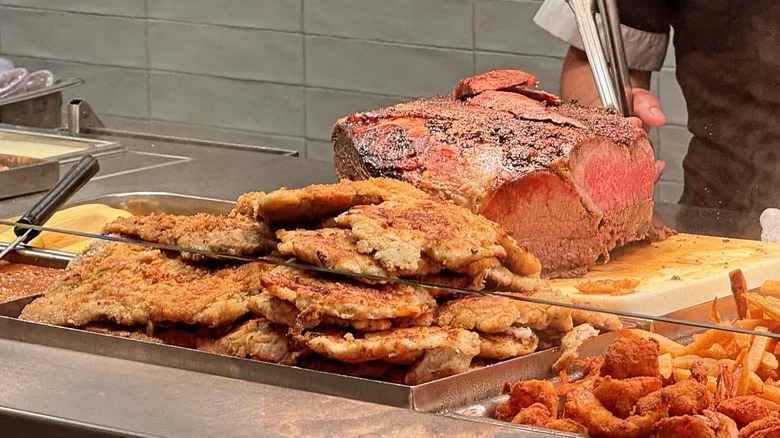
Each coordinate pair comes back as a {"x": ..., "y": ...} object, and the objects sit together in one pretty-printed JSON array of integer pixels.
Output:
[{"x": 644, "y": 50}]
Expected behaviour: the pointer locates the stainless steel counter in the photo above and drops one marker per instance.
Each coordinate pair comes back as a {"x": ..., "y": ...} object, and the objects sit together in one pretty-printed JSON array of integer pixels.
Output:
[
  {"x": 128, "y": 398},
  {"x": 45, "y": 391}
]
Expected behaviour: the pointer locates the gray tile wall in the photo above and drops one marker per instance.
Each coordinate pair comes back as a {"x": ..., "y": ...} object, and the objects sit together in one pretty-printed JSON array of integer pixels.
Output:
[{"x": 279, "y": 72}]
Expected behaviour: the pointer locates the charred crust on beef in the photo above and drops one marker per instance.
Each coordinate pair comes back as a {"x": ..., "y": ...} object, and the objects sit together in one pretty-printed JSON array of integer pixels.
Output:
[{"x": 386, "y": 151}]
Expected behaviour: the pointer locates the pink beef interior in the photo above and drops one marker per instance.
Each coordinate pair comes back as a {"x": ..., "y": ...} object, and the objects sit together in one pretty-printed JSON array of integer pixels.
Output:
[{"x": 611, "y": 175}]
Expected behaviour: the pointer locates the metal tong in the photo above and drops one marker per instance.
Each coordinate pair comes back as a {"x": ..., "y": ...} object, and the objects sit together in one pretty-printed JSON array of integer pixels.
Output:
[
  {"x": 74, "y": 179},
  {"x": 603, "y": 44}
]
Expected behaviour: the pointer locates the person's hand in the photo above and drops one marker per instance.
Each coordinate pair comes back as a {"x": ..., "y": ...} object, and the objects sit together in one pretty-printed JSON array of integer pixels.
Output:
[
  {"x": 647, "y": 110},
  {"x": 648, "y": 113}
]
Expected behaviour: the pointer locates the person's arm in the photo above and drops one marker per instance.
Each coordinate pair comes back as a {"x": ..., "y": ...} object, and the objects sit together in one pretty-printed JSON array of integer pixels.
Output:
[{"x": 577, "y": 83}]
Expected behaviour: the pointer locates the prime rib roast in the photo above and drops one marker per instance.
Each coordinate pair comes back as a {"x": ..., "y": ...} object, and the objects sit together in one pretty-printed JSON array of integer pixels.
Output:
[{"x": 571, "y": 183}]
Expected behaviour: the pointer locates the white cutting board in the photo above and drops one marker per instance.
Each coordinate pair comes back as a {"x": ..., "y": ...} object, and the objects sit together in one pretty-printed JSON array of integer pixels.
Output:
[{"x": 681, "y": 271}]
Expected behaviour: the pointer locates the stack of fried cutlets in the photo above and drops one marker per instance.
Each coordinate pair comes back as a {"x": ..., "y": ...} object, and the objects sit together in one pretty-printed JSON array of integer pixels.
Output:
[{"x": 354, "y": 322}]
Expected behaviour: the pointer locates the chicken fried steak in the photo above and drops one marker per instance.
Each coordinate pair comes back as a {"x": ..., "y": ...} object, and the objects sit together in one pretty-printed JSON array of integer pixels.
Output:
[
  {"x": 504, "y": 325},
  {"x": 205, "y": 232},
  {"x": 285, "y": 313},
  {"x": 392, "y": 229},
  {"x": 399, "y": 234},
  {"x": 317, "y": 295},
  {"x": 274, "y": 309},
  {"x": 318, "y": 202},
  {"x": 381, "y": 328},
  {"x": 516, "y": 341},
  {"x": 336, "y": 248},
  {"x": 256, "y": 339},
  {"x": 121, "y": 332},
  {"x": 484, "y": 313},
  {"x": 437, "y": 352},
  {"x": 570, "y": 344},
  {"x": 494, "y": 314},
  {"x": 373, "y": 370},
  {"x": 131, "y": 285},
  {"x": 405, "y": 236}
]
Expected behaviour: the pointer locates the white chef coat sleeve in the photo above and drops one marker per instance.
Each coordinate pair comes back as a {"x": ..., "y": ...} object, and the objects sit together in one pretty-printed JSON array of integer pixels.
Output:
[{"x": 644, "y": 50}]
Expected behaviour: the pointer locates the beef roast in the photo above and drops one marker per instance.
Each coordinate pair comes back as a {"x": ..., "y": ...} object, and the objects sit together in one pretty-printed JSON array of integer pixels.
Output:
[{"x": 571, "y": 183}]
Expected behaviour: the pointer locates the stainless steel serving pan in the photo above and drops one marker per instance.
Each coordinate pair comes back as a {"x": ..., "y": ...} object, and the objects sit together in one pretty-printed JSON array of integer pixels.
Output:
[
  {"x": 25, "y": 175},
  {"x": 436, "y": 396},
  {"x": 73, "y": 147},
  {"x": 429, "y": 397},
  {"x": 57, "y": 87}
]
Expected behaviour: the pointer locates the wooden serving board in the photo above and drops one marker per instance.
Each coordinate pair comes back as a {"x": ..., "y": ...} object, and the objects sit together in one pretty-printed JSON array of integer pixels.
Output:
[{"x": 681, "y": 271}]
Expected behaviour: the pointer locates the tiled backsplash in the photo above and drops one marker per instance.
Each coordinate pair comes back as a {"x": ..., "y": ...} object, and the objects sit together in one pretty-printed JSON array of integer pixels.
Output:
[{"x": 279, "y": 72}]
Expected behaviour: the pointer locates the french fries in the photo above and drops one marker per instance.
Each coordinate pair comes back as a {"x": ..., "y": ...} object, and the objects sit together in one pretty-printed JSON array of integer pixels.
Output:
[
  {"x": 751, "y": 362},
  {"x": 769, "y": 305},
  {"x": 717, "y": 351},
  {"x": 702, "y": 342},
  {"x": 771, "y": 393},
  {"x": 681, "y": 374},
  {"x": 768, "y": 362},
  {"x": 771, "y": 287},
  {"x": 665, "y": 365},
  {"x": 751, "y": 324},
  {"x": 770, "y": 404},
  {"x": 686, "y": 361}
]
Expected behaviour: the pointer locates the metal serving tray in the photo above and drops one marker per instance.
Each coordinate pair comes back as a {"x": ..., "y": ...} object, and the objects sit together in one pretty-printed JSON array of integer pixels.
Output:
[
  {"x": 441, "y": 395},
  {"x": 483, "y": 410},
  {"x": 26, "y": 175},
  {"x": 46, "y": 258},
  {"x": 41, "y": 108},
  {"x": 72, "y": 147},
  {"x": 437, "y": 396}
]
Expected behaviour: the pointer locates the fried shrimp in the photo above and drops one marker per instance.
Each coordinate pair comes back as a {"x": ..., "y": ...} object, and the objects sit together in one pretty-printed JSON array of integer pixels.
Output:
[
  {"x": 688, "y": 397},
  {"x": 708, "y": 425},
  {"x": 566, "y": 425},
  {"x": 535, "y": 415},
  {"x": 724, "y": 426},
  {"x": 628, "y": 357},
  {"x": 584, "y": 407},
  {"x": 726, "y": 386},
  {"x": 767, "y": 427},
  {"x": 539, "y": 416},
  {"x": 620, "y": 396},
  {"x": 744, "y": 409},
  {"x": 684, "y": 426},
  {"x": 526, "y": 393}
]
